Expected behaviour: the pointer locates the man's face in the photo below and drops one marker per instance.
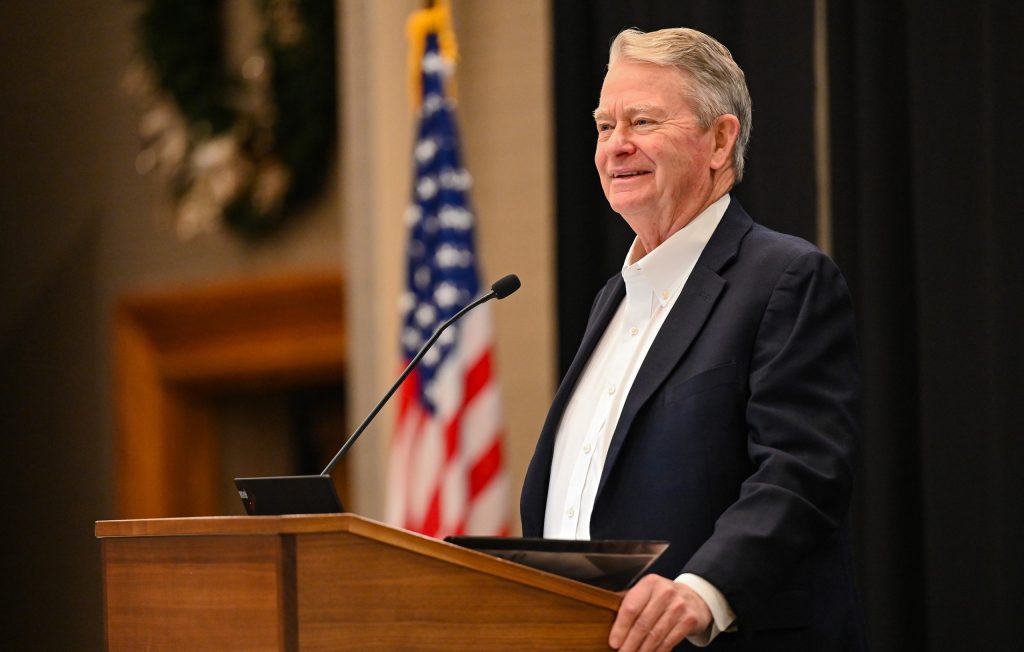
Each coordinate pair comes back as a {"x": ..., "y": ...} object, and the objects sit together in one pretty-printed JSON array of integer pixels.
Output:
[{"x": 652, "y": 154}]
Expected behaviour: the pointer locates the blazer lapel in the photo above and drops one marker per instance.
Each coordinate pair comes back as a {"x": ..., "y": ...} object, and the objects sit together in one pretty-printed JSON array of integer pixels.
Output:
[{"x": 683, "y": 324}]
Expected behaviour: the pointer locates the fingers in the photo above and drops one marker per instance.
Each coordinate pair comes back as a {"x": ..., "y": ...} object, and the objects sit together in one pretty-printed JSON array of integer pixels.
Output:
[
  {"x": 654, "y": 623},
  {"x": 632, "y": 606},
  {"x": 680, "y": 631},
  {"x": 656, "y": 614},
  {"x": 672, "y": 626}
]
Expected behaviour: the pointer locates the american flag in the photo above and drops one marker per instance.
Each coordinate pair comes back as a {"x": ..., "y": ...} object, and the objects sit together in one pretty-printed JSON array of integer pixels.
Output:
[{"x": 446, "y": 471}]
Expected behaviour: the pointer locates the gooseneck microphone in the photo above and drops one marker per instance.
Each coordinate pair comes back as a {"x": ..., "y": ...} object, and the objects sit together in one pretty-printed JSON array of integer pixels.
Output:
[
  {"x": 503, "y": 287},
  {"x": 315, "y": 494},
  {"x": 500, "y": 289}
]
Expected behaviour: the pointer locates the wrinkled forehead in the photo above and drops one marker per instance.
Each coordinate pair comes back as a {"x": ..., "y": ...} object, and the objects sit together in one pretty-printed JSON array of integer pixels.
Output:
[{"x": 634, "y": 86}]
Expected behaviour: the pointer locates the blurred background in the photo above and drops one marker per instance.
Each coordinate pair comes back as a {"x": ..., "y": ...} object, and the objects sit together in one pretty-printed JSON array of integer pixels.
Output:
[{"x": 150, "y": 354}]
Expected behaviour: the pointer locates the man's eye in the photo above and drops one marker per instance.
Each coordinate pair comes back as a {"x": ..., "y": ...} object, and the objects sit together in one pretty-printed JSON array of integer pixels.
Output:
[
  {"x": 641, "y": 122},
  {"x": 604, "y": 126}
]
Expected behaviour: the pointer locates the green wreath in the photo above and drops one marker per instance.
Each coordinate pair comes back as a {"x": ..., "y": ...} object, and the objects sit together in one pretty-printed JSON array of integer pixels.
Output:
[{"x": 240, "y": 148}]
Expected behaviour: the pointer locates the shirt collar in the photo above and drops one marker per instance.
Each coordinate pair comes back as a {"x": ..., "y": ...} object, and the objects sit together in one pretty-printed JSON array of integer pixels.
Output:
[{"x": 652, "y": 281}]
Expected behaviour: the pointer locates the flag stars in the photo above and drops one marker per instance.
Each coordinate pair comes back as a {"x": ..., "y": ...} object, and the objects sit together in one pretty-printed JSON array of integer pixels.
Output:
[
  {"x": 433, "y": 63},
  {"x": 426, "y": 314},
  {"x": 455, "y": 217},
  {"x": 447, "y": 338},
  {"x": 426, "y": 188},
  {"x": 446, "y": 295},
  {"x": 431, "y": 358},
  {"x": 432, "y": 103},
  {"x": 406, "y": 303},
  {"x": 413, "y": 215},
  {"x": 425, "y": 150},
  {"x": 455, "y": 179},
  {"x": 449, "y": 256},
  {"x": 430, "y": 390},
  {"x": 422, "y": 277}
]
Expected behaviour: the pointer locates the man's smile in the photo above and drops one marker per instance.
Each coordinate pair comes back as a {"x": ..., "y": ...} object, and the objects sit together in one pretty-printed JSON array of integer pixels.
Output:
[{"x": 626, "y": 174}]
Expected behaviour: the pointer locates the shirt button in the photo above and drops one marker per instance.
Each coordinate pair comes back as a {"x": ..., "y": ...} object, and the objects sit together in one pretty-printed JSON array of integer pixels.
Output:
[
  {"x": 571, "y": 512},
  {"x": 611, "y": 389},
  {"x": 634, "y": 330},
  {"x": 586, "y": 448},
  {"x": 664, "y": 294}
]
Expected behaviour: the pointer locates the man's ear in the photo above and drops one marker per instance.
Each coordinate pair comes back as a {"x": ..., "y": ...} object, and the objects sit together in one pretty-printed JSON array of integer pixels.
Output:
[{"x": 725, "y": 129}]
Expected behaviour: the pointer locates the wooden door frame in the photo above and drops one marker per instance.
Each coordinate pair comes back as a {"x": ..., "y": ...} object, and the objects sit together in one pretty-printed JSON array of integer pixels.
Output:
[{"x": 175, "y": 349}]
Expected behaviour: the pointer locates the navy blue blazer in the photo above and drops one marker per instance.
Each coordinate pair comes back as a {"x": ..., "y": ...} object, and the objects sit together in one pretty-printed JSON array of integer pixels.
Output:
[{"x": 738, "y": 438}]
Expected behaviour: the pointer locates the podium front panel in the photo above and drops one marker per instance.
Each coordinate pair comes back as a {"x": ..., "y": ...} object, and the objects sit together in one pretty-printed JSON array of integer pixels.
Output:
[
  {"x": 356, "y": 593},
  {"x": 199, "y": 593}
]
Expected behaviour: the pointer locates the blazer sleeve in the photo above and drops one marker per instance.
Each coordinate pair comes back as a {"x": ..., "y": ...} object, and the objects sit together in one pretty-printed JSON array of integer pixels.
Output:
[{"x": 802, "y": 430}]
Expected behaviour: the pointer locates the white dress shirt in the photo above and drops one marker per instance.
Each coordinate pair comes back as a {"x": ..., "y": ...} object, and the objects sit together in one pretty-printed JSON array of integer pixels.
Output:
[{"x": 653, "y": 284}]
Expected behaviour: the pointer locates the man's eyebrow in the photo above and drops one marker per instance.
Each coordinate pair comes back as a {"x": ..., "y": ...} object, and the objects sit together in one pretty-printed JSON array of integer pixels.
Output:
[{"x": 602, "y": 114}]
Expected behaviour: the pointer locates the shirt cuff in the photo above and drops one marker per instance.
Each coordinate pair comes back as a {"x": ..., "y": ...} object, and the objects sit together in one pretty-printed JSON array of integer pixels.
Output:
[{"x": 722, "y": 616}]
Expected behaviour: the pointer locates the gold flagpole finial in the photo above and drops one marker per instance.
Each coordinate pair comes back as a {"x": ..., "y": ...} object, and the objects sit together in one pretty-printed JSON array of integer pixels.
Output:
[{"x": 436, "y": 18}]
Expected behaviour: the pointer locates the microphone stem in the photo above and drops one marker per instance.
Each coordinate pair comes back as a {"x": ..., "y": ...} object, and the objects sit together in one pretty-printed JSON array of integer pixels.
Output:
[{"x": 408, "y": 369}]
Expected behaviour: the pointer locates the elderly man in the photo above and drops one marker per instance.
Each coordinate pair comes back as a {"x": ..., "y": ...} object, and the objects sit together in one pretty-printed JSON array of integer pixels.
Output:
[{"x": 713, "y": 401}]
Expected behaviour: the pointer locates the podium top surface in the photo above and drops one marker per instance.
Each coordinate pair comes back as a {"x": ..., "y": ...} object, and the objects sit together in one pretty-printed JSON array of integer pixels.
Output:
[
  {"x": 353, "y": 524},
  {"x": 239, "y": 525}
]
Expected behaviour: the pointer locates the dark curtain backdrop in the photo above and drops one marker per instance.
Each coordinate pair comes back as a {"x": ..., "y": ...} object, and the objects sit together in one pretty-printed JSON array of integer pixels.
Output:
[{"x": 927, "y": 218}]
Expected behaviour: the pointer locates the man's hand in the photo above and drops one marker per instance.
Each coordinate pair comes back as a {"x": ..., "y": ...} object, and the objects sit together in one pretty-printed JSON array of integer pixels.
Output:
[{"x": 657, "y": 614}]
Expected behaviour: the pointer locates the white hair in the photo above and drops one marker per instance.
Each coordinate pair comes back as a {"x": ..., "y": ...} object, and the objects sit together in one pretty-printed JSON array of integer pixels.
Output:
[{"x": 719, "y": 87}]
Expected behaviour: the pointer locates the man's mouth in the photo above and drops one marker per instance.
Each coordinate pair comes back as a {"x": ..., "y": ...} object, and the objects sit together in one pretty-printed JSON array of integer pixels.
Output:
[{"x": 629, "y": 173}]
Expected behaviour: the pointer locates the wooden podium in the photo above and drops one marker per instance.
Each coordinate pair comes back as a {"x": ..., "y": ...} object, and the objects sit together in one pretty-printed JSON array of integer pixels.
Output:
[{"x": 330, "y": 582}]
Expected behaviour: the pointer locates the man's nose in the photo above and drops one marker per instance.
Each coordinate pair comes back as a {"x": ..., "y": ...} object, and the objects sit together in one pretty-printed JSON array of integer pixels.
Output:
[{"x": 621, "y": 140}]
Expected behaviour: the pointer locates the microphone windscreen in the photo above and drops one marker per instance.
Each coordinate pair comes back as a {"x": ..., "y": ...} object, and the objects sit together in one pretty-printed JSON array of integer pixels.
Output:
[{"x": 505, "y": 286}]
